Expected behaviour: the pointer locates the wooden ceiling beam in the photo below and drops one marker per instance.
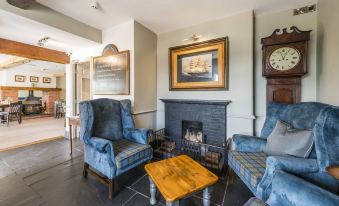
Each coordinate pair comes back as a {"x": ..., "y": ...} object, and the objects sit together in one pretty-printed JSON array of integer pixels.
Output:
[
  {"x": 32, "y": 52},
  {"x": 13, "y": 62}
]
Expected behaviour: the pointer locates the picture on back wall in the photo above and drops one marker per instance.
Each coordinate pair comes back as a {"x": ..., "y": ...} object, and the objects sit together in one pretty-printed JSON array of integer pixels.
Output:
[
  {"x": 34, "y": 79},
  {"x": 19, "y": 78},
  {"x": 46, "y": 80},
  {"x": 199, "y": 66}
]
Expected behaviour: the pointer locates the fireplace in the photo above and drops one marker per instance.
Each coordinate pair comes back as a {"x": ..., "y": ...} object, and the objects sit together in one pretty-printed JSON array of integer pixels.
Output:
[
  {"x": 193, "y": 131},
  {"x": 32, "y": 105},
  {"x": 197, "y": 128}
]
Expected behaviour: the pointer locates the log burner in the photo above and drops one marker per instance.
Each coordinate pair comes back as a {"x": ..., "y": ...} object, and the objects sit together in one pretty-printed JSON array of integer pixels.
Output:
[{"x": 32, "y": 104}]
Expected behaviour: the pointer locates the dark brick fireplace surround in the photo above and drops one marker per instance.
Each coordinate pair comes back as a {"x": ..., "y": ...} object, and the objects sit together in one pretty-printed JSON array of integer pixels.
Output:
[{"x": 212, "y": 113}]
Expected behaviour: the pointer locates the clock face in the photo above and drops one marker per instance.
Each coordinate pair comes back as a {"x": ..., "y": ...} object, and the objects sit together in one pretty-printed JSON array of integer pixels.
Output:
[{"x": 284, "y": 58}]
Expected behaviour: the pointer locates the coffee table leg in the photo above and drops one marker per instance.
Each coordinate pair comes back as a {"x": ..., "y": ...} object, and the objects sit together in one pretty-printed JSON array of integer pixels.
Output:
[
  {"x": 175, "y": 203},
  {"x": 153, "y": 191},
  {"x": 207, "y": 196}
]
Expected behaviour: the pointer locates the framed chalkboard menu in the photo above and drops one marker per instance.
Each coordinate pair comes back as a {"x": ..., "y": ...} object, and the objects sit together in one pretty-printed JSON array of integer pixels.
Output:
[{"x": 111, "y": 74}]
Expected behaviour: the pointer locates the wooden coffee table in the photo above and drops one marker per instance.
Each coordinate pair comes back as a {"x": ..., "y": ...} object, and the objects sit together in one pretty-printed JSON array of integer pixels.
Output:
[{"x": 179, "y": 177}]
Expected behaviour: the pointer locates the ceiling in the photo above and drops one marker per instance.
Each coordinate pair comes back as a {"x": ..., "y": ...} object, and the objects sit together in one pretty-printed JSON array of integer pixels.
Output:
[
  {"x": 18, "y": 28},
  {"x": 42, "y": 67},
  {"x": 163, "y": 15}
]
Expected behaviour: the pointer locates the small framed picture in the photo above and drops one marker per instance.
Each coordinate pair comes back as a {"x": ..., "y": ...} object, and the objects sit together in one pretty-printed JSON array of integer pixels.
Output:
[
  {"x": 46, "y": 80},
  {"x": 19, "y": 78},
  {"x": 34, "y": 79}
]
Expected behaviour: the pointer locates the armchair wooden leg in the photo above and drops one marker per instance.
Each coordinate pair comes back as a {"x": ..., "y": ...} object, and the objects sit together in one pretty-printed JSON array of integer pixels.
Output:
[
  {"x": 85, "y": 173},
  {"x": 110, "y": 189},
  {"x": 230, "y": 175}
]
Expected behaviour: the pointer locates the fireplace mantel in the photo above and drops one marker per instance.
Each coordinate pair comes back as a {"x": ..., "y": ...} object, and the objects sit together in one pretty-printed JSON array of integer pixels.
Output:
[
  {"x": 30, "y": 88},
  {"x": 189, "y": 101}
]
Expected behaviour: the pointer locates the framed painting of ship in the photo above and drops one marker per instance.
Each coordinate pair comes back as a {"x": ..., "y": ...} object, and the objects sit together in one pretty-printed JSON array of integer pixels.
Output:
[{"x": 199, "y": 66}]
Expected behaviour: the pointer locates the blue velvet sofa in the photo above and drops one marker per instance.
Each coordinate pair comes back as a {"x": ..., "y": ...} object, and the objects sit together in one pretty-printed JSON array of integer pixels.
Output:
[
  {"x": 112, "y": 144},
  {"x": 289, "y": 190},
  {"x": 256, "y": 169}
]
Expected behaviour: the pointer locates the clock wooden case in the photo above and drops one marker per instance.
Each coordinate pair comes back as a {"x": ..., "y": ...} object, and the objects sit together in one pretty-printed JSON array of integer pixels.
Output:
[{"x": 284, "y": 63}]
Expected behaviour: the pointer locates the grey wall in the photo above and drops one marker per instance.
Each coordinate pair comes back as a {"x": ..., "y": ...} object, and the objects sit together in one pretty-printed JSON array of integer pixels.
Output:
[
  {"x": 328, "y": 51},
  {"x": 239, "y": 29},
  {"x": 265, "y": 24},
  {"x": 145, "y": 62}
]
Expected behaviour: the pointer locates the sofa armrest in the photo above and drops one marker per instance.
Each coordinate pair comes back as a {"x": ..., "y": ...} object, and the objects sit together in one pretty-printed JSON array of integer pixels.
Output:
[
  {"x": 246, "y": 143},
  {"x": 141, "y": 136},
  {"x": 291, "y": 164},
  {"x": 288, "y": 164},
  {"x": 288, "y": 189}
]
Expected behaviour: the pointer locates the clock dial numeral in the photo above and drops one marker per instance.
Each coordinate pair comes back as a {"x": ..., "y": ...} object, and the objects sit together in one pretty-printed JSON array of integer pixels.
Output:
[{"x": 284, "y": 58}]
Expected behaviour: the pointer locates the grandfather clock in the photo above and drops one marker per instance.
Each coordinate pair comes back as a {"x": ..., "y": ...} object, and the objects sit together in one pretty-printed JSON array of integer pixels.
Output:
[{"x": 284, "y": 64}]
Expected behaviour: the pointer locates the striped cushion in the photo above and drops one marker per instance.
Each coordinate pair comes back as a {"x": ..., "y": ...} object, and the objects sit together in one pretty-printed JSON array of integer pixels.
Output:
[
  {"x": 128, "y": 153},
  {"x": 250, "y": 166}
]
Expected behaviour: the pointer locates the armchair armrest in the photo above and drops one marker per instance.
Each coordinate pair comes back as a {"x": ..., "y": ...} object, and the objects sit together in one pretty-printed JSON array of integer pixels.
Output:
[
  {"x": 141, "y": 136},
  {"x": 288, "y": 189},
  {"x": 103, "y": 146},
  {"x": 246, "y": 143},
  {"x": 288, "y": 164}
]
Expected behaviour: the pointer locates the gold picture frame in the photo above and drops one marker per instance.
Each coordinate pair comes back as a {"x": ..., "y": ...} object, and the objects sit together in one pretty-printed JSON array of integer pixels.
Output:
[
  {"x": 111, "y": 74},
  {"x": 199, "y": 66}
]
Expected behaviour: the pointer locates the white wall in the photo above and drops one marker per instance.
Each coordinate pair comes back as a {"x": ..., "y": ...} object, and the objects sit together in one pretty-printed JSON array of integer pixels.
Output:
[
  {"x": 239, "y": 29},
  {"x": 129, "y": 36},
  {"x": 8, "y": 78},
  {"x": 265, "y": 24},
  {"x": 328, "y": 51},
  {"x": 61, "y": 83}
]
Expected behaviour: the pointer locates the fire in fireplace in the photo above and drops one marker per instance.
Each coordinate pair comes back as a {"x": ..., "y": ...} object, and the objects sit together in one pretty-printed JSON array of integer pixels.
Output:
[{"x": 193, "y": 131}]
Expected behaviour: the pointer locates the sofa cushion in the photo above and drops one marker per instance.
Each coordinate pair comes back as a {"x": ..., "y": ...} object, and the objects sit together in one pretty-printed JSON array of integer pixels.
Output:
[
  {"x": 250, "y": 166},
  {"x": 128, "y": 153},
  {"x": 284, "y": 140}
]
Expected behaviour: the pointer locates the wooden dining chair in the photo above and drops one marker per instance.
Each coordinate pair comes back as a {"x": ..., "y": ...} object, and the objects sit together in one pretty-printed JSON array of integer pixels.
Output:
[{"x": 15, "y": 110}]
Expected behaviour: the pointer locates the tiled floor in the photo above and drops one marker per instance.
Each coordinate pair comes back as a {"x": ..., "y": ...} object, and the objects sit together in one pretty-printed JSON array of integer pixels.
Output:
[{"x": 44, "y": 174}]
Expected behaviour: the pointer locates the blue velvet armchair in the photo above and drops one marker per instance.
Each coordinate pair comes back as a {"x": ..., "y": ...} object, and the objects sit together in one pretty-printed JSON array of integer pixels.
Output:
[
  {"x": 112, "y": 144},
  {"x": 289, "y": 190},
  {"x": 256, "y": 169}
]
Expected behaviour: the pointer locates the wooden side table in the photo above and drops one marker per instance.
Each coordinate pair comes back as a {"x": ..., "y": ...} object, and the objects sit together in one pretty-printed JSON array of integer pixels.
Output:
[
  {"x": 334, "y": 171},
  {"x": 179, "y": 177},
  {"x": 72, "y": 121}
]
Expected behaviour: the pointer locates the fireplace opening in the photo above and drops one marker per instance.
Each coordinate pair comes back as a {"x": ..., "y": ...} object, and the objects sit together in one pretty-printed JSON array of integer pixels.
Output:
[{"x": 193, "y": 131}]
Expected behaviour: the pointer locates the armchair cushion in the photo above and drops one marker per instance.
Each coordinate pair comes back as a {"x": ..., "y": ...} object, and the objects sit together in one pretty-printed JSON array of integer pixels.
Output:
[
  {"x": 249, "y": 166},
  {"x": 137, "y": 135},
  {"x": 128, "y": 154},
  {"x": 284, "y": 141},
  {"x": 245, "y": 143},
  {"x": 107, "y": 116}
]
